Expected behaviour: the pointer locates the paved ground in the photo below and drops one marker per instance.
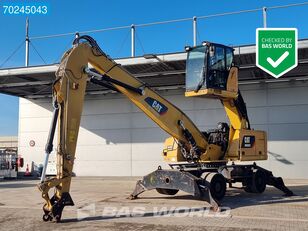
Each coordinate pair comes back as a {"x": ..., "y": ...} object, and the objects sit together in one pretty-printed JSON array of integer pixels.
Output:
[{"x": 101, "y": 204}]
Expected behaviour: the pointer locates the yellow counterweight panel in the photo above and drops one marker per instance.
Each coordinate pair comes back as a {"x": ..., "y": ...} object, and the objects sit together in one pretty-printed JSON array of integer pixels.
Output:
[{"x": 253, "y": 145}]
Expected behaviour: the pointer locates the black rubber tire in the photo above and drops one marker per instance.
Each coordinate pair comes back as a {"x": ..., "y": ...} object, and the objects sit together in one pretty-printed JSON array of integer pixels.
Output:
[
  {"x": 167, "y": 191},
  {"x": 47, "y": 217},
  {"x": 258, "y": 181},
  {"x": 218, "y": 185}
]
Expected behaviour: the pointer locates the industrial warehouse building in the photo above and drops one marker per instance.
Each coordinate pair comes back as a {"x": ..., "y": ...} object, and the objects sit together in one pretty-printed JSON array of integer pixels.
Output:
[{"x": 117, "y": 139}]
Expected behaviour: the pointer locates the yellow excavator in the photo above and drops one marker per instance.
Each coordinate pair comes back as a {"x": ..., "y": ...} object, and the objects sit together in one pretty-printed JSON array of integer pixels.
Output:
[{"x": 198, "y": 160}]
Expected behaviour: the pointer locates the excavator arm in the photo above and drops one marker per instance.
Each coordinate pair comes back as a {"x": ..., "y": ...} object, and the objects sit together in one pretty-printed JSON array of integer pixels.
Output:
[{"x": 68, "y": 95}]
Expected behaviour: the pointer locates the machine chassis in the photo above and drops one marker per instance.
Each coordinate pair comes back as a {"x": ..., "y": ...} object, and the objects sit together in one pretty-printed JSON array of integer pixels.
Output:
[{"x": 207, "y": 181}]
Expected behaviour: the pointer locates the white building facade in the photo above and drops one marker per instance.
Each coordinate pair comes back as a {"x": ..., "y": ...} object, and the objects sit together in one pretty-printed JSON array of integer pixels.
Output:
[{"x": 117, "y": 139}]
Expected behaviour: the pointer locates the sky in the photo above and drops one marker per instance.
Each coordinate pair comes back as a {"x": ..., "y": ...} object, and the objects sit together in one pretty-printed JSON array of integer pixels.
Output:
[{"x": 72, "y": 16}]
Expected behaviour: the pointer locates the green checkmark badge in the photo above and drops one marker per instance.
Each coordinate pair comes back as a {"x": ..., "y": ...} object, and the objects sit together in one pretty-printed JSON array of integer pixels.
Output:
[{"x": 276, "y": 50}]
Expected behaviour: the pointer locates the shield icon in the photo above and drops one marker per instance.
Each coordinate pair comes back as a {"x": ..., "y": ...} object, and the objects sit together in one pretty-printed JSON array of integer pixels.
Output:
[{"x": 276, "y": 50}]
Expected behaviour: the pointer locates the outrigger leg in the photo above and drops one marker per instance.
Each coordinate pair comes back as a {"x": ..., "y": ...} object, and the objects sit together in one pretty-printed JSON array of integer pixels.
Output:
[{"x": 171, "y": 181}]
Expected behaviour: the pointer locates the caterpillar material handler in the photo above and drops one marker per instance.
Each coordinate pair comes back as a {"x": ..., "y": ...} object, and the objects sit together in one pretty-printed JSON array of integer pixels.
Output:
[{"x": 198, "y": 160}]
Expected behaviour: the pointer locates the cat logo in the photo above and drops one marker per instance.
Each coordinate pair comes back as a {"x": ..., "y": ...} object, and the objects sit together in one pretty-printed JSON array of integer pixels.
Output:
[
  {"x": 248, "y": 141},
  {"x": 156, "y": 105}
]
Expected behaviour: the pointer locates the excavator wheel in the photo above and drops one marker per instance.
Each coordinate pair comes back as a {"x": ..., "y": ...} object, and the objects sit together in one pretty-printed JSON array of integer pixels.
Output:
[
  {"x": 258, "y": 181},
  {"x": 167, "y": 191},
  {"x": 47, "y": 217},
  {"x": 218, "y": 185},
  {"x": 257, "y": 184}
]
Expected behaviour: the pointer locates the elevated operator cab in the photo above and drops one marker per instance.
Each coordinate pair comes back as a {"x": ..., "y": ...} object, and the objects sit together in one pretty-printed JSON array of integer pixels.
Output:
[{"x": 210, "y": 71}]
